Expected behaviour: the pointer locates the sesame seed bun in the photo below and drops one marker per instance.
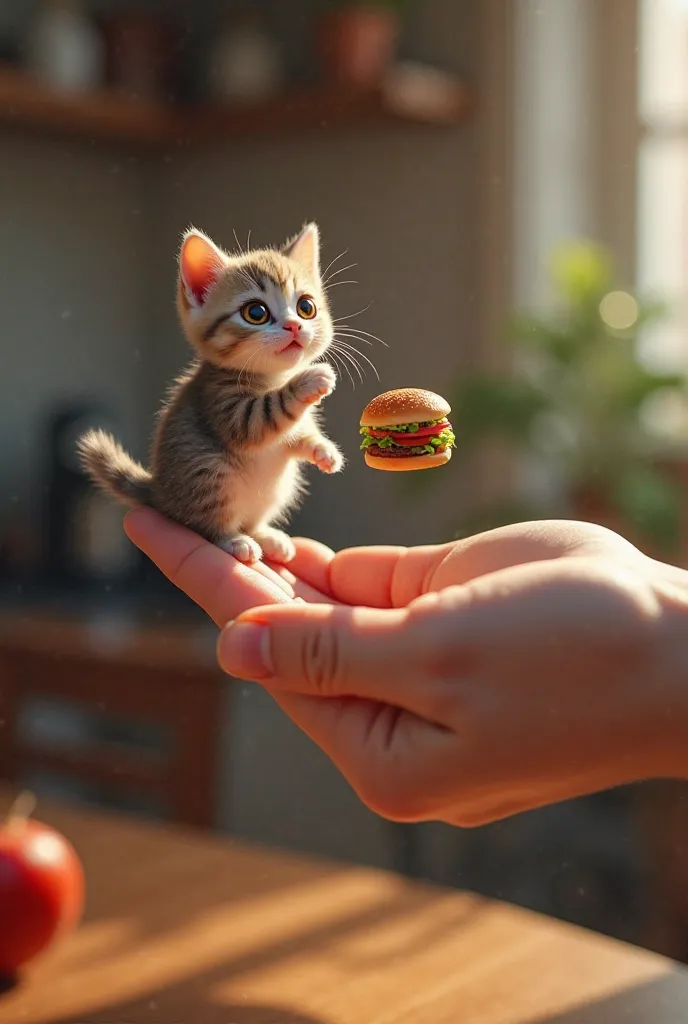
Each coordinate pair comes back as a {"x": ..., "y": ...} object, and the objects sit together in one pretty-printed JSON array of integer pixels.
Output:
[
  {"x": 402, "y": 465},
  {"x": 405, "y": 405}
]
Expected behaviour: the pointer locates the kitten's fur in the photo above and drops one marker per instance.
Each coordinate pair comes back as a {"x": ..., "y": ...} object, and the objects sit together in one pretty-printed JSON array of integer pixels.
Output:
[{"x": 229, "y": 439}]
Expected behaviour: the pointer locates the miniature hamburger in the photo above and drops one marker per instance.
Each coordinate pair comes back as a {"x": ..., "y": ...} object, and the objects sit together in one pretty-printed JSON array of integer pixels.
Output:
[{"x": 407, "y": 429}]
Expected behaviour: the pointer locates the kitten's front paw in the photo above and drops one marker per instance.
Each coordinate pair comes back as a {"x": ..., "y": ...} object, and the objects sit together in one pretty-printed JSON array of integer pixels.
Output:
[
  {"x": 327, "y": 458},
  {"x": 315, "y": 383},
  {"x": 243, "y": 548},
  {"x": 277, "y": 546}
]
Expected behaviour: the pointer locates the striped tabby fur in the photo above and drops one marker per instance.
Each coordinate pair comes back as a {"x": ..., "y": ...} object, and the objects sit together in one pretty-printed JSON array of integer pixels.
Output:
[{"x": 230, "y": 436}]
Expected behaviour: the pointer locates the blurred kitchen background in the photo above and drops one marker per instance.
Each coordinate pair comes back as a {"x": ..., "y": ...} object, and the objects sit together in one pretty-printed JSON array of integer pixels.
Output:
[{"x": 511, "y": 179}]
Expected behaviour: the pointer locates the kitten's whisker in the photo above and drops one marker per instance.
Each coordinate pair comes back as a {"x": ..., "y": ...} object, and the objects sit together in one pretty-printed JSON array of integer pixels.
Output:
[
  {"x": 340, "y": 363},
  {"x": 255, "y": 360},
  {"x": 236, "y": 239},
  {"x": 346, "y": 332},
  {"x": 345, "y": 328},
  {"x": 350, "y": 316},
  {"x": 332, "y": 262},
  {"x": 349, "y": 359},
  {"x": 250, "y": 283},
  {"x": 248, "y": 240},
  {"x": 336, "y": 283},
  {"x": 346, "y": 354},
  {"x": 353, "y": 337},
  {"x": 242, "y": 370},
  {"x": 331, "y": 354},
  {"x": 356, "y": 366},
  {"x": 340, "y": 271},
  {"x": 252, "y": 356},
  {"x": 246, "y": 365},
  {"x": 357, "y": 330},
  {"x": 351, "y": 348}
]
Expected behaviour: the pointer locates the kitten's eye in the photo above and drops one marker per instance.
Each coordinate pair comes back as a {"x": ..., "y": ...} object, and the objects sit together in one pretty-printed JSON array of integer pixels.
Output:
[
  {"x": 255, "y": 313},
  {"x": 306, "y": 307}
]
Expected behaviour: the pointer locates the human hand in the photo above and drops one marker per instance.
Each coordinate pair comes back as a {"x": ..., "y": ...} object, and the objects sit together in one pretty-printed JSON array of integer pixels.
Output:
[
  {"x": 470, "y": 681},
  {"x": 216, "y": 581}
]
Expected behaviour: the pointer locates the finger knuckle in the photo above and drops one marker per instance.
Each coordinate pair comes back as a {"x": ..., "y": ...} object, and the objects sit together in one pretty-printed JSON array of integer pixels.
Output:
[
  {"x": 448, "y": 659},
  {"x": 322, "y": 660}
]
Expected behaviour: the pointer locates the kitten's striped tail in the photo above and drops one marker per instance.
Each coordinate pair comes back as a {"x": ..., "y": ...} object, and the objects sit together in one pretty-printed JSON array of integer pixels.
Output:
[{"x": 109, "y": 466}]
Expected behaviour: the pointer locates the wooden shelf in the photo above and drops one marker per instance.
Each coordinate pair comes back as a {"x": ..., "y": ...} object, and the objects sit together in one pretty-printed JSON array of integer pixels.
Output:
[{"x": 110, "y": 116}]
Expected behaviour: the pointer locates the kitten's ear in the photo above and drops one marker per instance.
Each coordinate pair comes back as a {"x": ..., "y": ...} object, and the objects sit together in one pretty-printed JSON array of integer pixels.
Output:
[
  {"x": 305, "y": 249},
  {"x": 200, "y": 265}
]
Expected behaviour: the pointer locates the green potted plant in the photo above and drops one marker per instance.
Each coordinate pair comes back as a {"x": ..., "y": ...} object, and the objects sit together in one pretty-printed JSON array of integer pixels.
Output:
[
  {"x": 580, "y": 401},
  {"x": 358, "y": 40}
]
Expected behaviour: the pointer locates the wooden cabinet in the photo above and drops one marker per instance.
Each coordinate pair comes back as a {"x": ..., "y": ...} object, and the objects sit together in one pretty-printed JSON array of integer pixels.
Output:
[{"x": 146, "y": 709}]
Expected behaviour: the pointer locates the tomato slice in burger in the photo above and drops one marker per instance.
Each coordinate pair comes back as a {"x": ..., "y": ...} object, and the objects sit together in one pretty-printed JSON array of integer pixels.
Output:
[
  {"x": 422, "y": 432},
  {"x": 412, "y": 440}
]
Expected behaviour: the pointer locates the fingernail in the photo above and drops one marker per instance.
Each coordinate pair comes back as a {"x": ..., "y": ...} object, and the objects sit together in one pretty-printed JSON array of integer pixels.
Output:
[
  {"x": 140, "y": 514},
  {"x": 244, "y": 650},
  {"x": 133, "y": 514}
]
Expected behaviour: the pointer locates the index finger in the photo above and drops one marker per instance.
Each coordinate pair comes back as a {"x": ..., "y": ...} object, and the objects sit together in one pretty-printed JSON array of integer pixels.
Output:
[
  {"x": 384, "y": 576},
  {"x": 218, "y": 583}
]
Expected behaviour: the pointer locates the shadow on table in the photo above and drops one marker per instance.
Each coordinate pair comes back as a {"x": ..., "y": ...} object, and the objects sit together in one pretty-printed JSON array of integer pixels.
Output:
[
  {"x": 185, "y": 905},
  {"x": 191, "y": 998},
  {"x": 659, "y": 1002}
]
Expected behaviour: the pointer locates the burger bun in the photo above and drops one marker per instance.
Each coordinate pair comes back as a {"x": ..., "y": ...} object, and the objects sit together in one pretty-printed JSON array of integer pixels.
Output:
[
  {"x": 405, "y": 405},
  {"x": 404, "y": 465}
]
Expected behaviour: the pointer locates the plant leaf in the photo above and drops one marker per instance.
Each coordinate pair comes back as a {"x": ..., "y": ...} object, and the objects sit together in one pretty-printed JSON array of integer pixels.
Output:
[
  {"x": 488, "y": 406},
  {"x": 581, "y": 271},
  {"x": 652, "y": 503}
]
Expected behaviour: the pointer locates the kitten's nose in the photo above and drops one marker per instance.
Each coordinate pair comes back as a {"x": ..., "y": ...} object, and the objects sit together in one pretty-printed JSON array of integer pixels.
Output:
[{"x": 293, "y": 326}]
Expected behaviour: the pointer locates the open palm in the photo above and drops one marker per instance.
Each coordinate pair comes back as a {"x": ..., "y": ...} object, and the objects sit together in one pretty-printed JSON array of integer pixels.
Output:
[{"x": 375, "y": 577}]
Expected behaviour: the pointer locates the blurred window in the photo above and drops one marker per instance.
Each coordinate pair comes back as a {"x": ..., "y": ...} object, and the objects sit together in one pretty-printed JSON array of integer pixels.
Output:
[{"x": 662, "y": 215}]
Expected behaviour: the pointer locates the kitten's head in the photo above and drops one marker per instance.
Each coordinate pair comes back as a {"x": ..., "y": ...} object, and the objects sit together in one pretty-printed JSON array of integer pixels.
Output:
[{"x": 264, "y": 311}]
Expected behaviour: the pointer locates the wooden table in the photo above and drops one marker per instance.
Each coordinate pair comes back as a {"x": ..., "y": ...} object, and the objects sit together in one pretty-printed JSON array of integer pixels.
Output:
[{"x": 183, "y": 929}]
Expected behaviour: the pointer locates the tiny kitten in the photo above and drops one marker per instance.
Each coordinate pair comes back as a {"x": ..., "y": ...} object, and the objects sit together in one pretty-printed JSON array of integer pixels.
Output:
[{"x": 229, "y": 439}]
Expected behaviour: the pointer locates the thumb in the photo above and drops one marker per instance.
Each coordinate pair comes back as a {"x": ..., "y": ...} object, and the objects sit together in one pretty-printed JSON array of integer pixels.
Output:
[{"x": 330, "y": 651}]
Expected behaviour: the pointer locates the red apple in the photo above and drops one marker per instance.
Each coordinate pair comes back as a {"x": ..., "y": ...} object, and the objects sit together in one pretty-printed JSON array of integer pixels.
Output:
[{"x": 41, "y": 889}]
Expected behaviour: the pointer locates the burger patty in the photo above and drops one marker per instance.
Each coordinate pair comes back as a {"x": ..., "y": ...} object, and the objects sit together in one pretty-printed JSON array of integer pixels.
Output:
[{"x": 396, "y": 453}]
